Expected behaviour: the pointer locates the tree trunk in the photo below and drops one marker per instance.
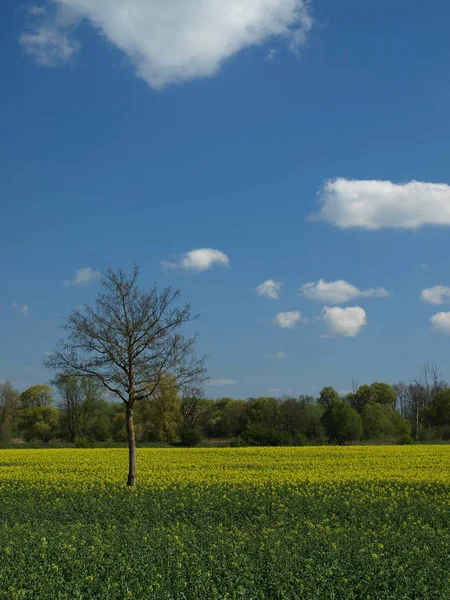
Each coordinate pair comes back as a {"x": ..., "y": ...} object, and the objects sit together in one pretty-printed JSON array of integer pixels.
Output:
[{"x": 131, "y": 447}]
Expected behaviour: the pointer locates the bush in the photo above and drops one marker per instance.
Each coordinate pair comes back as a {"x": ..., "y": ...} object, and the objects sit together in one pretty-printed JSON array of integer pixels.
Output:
[
  {"x": 81, "y": 442},
  {"x": 257, "y": 435},
  {"x": 238, "y": 442},
  {"x": 190, "y": 437},
  {"x": 300, "y": 440},
  {"x": 342, "y": 423},
  {"x": 406, "y": 439}
]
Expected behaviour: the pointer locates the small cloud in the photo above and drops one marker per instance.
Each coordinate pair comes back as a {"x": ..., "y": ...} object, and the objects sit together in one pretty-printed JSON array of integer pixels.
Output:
[
  {"x": 424, "y": 266},
  {"x": 338, "y": 292},
  {"x": 221, "y": 382},
  {"x": 280, "y": 355},
  {"x": 23, "y": 308},
  {"x": 269, "y": 289},
  {"x": 198, "y": 261},
  {"x": 438, "y": 294},
  {"x": 273, "y": 390},
  {"x": 271, "y": 53},
  {"x": 35, "y": 11},
  {"x": 344, "y": 322},
  {"x": 84, "y": 277},
  {"x": 287, "y": 320},
  {"x": 46, "y": 38},
  {"x": 440, "y": 322}
]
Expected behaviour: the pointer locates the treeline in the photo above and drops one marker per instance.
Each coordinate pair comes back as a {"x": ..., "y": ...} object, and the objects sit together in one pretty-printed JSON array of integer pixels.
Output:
[{"x": 81, "y": 414}]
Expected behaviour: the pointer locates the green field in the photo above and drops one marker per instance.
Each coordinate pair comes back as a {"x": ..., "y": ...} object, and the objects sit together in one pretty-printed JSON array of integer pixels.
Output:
[{"x": 252, "y": 523}]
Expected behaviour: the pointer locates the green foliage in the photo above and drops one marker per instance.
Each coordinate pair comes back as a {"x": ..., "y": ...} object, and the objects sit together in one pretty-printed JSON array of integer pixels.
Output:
[
  {"x": 327, "y": 396},
  {"x": 381, "y": 422},
  {"x": 406, "y": 439},
  {"x": 39, "y": 422},
  {"x": 258, "y": 435},
  {"x": 342, "y": 423},
  {"x": 380, "y": 393},
  {"x": 37, "y": 395},
  {"x": 9, "y": 405},
  {"x": 190, "y": 437}
]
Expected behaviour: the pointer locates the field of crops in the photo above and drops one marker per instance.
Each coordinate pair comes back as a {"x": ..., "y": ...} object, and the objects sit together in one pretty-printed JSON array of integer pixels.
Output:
[{"x": 250, "y": 523}]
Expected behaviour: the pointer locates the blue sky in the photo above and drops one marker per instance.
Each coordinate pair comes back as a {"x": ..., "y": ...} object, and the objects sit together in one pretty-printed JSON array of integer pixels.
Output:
[{"x": 143, "y": 135}]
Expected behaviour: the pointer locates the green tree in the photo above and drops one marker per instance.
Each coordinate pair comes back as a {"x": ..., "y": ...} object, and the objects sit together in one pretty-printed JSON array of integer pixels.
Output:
[
  {"x": 342, "y": 423},
  {"x": 130, "y": 341},
  {"x": 39, "y": 422},
  {"x": 37, "y": 395},
  {"x": 327, "y": 396},
  {"x": 381, "y": 393},
  {"x": 9, "y": 405},
  {"x": 81, "y": 405},
  {"x": 381, "y": 422},
  {"x": 159, "y": 418}
]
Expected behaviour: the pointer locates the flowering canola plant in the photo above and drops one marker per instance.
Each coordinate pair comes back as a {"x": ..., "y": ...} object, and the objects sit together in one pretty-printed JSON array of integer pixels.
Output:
[{"x": 254, "y": 523}]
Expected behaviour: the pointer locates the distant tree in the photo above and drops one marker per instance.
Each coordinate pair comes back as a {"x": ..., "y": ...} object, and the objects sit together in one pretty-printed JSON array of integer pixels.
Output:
[
  {"x": 159, "y": 418},
  {"x": 37, "y": 395},
  {"x": 192, "y": 404},
  {"x": 382, "y": 422},
  {"x": 342, "y": 423},
  {"x": 81, "y": 404},
  {"x": 377, "y": 392},
  {"x": 327, "y": 396},
  {"x": 439, "y": 411},
  {"x": 9, "y": 405},
  {"x": 130, "y": 341},
  {"x": 39, "y": 422}
]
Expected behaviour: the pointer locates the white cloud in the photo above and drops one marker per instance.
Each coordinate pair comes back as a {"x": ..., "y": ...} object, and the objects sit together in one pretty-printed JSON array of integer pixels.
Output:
[
  {"x": 280, "y": 355},
  {"x": 338, "y": 292},
  {"x": 46, "y": 37},
  {"x": 379, "y": 204},
  {"x": 221, "y": 382},
  {"x": 269, "y": 289},
  {"x": 84, "y": 277},
  {"x": 287, "y": 320},
  {"x": 271, "y": 53},
  {"x": 23, "y": 308},
  {"x": 438, "y": 294},
  {"x": 273, "y": 390},
  {"x": 197, "y": 261},
  {"x": 169, "y": 41},
  {"x": 344, "y": 322},
  {"x": 441, "y": 322}
]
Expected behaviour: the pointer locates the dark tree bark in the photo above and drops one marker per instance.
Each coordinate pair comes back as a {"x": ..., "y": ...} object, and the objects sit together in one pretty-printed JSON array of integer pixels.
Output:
[{"x": 130, "y": 341}]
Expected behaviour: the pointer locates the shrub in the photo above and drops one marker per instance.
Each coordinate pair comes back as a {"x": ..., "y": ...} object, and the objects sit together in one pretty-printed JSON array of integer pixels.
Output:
[
  {"x": 406, "y": 439},
  {"x": 300, "y": 440},
  {"x": 257, "y": 435},
  {"x": 190, "y": 437},
  {"x": 342, "y": 422}
]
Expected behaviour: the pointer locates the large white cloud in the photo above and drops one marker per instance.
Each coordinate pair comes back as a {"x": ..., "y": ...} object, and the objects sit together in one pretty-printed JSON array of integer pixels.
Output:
[
  {"x": 288, "y": 319},
  {"x": 438, "y": 294},
  {"x": 344, "y": 322},
  {"x": 199, "y": 260},
  {"x": 441, "y": 322},
  {"x": 84, "y": 277},
  {"x": 338, "y": 292},
  {"x": 269, "y": 289},
  {"x": 169, "y": 41},
  {"x": 379, "y": 204}
]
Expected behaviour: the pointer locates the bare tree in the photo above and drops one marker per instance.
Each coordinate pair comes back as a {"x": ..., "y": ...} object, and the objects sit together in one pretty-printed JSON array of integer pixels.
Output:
[
  {"x": 130, "y": 341},
  {"x": 191, "y": 405}
]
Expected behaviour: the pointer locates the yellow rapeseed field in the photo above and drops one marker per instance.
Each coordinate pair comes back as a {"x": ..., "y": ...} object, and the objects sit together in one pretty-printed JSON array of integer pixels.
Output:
[{"x": 253, "y": 523}]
